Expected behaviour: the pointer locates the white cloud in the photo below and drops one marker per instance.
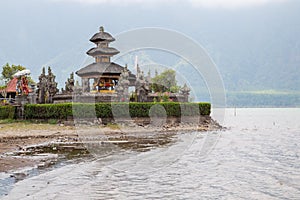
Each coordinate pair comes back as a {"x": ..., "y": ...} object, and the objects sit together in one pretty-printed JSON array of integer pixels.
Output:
[
  {"x": 230, "y": 4},
  {"x": 118, "y": 2}
]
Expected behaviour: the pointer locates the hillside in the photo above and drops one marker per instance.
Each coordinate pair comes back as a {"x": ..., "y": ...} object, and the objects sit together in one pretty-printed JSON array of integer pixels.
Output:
[{"x": 256, "y": 49}]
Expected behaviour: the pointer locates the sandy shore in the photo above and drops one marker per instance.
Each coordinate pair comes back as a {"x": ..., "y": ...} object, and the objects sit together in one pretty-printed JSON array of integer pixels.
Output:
[{"x": 16, "y": 136}]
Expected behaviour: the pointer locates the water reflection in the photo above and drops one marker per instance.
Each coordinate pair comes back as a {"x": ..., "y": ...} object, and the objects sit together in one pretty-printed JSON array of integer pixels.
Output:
[{"x": 137, "y": 142}]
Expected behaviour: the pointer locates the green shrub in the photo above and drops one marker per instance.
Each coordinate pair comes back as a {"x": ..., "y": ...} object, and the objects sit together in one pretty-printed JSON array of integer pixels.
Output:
[
  {"x": 205, "y": 108},
  {"x": 111, "y": 110},
  {"x": 103, "y": 110},
  {"x": 84, "y": 110},
  {"x": 52, "y": 121},
  {"x": 48, "y": 111},
  {"x": 140, "y": 109},
  {"x": 7, "y": 112}
]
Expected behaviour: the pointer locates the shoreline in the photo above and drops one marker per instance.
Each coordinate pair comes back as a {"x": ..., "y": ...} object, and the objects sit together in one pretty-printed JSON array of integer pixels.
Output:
[{"x": 16, "y": 137}]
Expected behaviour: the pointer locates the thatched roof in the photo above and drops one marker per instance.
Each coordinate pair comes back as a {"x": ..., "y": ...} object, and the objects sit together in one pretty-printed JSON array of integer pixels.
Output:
[
  {"x": 98, "y": 51},
  {"x": 98, "y": 69},
  {"x": 102, "y": 36}
]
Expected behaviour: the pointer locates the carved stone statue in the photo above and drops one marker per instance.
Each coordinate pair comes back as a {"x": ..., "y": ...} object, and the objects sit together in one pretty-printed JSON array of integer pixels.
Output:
[
  {"x": 142, "y": 86},
  {"x": 123, "y": 84},
  {"x": 41, "y": 87},
  {"x": 51, "y": 85},
  {"x": 69, "y": 85},
  {"x": 77, "y": 88},
  {"x": 47, "y": 87},
  {"x": 185, "y": 91}
]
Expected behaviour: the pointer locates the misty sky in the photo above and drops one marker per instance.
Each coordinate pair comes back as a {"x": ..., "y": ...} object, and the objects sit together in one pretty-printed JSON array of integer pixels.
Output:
[{"x": 39, "y": 33}]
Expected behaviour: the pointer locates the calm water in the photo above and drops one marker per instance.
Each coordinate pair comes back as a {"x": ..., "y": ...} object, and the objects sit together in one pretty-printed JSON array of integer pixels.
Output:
[{"x": 256, "y": 158}]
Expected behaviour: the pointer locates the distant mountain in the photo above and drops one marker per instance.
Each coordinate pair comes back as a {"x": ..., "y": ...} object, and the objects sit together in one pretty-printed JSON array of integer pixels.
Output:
[{"x": 256, "y": 49}]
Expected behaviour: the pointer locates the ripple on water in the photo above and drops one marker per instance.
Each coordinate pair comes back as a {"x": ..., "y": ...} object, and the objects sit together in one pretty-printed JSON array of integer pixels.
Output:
[{"x": 252, "y": 160}]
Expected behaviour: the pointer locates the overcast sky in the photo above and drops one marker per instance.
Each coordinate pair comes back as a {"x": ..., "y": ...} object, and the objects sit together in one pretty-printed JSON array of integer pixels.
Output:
[
  {"x": 39, "y": 33},
  {"x": 228, "y": 4}
]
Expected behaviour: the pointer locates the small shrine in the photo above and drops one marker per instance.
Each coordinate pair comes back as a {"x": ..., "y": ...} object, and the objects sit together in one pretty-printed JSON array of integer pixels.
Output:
[
  {"x": 102, "y": 76},
  {"x": 17, "y": 89}
]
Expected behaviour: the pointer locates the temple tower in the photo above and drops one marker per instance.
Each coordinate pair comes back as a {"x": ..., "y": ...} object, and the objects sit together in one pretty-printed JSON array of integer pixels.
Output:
[
  {"x": 103, "y": 73},
  {"x": 102, "y": 52}
]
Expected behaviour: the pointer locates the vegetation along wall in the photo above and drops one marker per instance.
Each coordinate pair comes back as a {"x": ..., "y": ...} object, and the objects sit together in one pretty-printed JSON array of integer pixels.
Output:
[
  {"x": 7, "y": 112},
  {"x": 106, "y": 110}
]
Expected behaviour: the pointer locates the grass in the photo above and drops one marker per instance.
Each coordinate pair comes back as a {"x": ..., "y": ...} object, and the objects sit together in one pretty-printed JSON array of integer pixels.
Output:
[
  {"x": 7, "y": 121},
  {"x": 52, "y": 121},
  {"x": 112, "y": 126},
  {"x": 28, "y": 125},
  {"x": 22, "y": 121}
]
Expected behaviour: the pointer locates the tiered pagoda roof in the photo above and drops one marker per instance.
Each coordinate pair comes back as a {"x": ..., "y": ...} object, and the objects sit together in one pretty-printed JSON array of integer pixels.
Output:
[
  {"x": 102, "y": 36},
  {"x": 102, "y": 54},
  {"x": 103, "y": 51},
  {"x": 98, "y": 69}
]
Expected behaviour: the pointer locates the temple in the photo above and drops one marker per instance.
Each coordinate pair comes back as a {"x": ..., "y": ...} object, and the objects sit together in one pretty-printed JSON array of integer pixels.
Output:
[
  {"x": 102, "y": 81},
  {"x": 106, "y": 81},
  {"x": 102, "y": 75}
]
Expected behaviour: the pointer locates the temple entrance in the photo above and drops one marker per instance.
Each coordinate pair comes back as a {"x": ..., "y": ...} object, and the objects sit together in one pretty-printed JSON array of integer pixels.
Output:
[{"x": 105, "y": 84}]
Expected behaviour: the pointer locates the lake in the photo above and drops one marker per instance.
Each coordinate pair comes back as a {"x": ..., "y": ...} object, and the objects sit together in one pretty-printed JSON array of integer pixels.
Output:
[{"x": 256, "y": 157}]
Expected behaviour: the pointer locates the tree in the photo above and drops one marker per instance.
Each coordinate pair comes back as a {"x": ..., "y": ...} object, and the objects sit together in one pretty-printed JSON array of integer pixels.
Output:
[
  {"x": 8, "y": 71},
  {"x": 165, "y": 82}
]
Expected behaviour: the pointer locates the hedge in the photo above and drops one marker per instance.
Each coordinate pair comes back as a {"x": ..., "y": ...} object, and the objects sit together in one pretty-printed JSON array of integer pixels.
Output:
[
  {"x": 7, "y": 112},
  {"x": 48, "y": 111},
  {"x": 104, "y": 110},
  {"x": 111, "y": 110}
]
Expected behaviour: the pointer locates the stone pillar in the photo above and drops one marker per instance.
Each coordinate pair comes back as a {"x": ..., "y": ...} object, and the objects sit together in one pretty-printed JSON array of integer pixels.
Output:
[
  {"x": 95, "y": 84},
  {"x": 85, "y": 85},
  {"x": 32, "y": 98},
  {"x": 122, "y": 87},
  {"x": 185, "y": 91}
]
